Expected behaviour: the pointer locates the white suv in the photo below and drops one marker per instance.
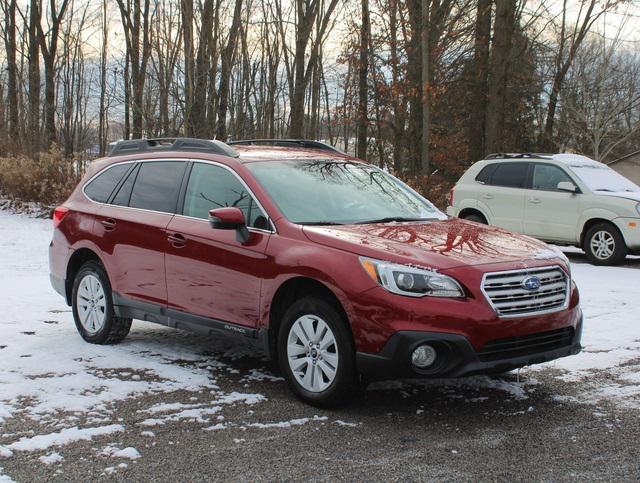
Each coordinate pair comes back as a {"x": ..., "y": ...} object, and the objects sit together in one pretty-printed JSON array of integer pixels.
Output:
[{"x": 565, "y": 199}]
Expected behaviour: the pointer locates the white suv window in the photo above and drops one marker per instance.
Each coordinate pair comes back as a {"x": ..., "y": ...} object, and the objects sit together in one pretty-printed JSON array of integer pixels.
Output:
[
  {"x": 510, "y": 175},
  {"x": 546, "y": 177}
]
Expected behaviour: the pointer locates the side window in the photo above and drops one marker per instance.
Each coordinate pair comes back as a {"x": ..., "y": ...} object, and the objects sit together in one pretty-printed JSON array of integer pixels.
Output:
[
  {"x": 511, "y": 175},
  {"x": 213, "y": 187},
  {"x": 546, "y": 177},
  {"x": 101, "y": 187},
  {"x": 124, "y": 193},
  {"x": 484, "y": 176},
  {"x": 157, "y": 186}
]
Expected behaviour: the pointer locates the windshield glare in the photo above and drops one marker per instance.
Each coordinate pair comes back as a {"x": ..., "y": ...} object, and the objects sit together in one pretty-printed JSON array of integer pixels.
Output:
[
  {"x": 603, "y": 178},
  {"x": 338, "y": 192}
]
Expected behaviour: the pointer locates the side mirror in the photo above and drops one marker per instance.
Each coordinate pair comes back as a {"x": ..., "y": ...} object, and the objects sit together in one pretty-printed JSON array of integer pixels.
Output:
[
  {"x": 230, "y": 218},
  {"x": 567, "y": 186}
]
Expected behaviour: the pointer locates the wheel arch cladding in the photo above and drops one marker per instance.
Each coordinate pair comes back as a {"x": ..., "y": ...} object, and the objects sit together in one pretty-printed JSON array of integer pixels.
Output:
[
  {"x": 79, "y": 258},
  {"x": 294, "y": 289}
]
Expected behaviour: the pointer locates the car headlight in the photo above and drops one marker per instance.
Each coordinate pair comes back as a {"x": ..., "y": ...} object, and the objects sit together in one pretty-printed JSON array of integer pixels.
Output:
[{"x": 411, "y": 281}]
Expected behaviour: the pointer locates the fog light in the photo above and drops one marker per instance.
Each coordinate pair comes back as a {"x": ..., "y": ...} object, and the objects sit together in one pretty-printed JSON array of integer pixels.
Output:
[{"x": 424, "y": 356}]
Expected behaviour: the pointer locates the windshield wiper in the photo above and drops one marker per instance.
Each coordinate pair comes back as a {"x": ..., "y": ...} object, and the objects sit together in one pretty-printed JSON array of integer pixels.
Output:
[
  {"x": 389, "y": 219},
  {"x": 318, "y": 223}
]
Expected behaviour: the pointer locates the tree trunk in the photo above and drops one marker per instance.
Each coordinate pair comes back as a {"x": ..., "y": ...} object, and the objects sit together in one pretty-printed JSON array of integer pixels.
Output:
[
  {"x": 102, "y": 128},
  {"x": 363, "y": 86},
  {"x": 34, "y": 142},
  {"x": 426, "y": 82},
  {"x": 12, "y": 82},
  {"x": 500, "y": 63},
  {"x": 225, "y": 73},
  {"x": 479, "y": 81}
]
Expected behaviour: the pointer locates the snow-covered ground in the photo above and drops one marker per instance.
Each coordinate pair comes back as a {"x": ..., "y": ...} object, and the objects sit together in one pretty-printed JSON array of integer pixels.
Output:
[{"x": 69, "y": 389}]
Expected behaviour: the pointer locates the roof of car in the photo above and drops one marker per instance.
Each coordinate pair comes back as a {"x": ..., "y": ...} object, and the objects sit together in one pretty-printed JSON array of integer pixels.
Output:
[
  {"x": 254, "y": 153},
  {"x": 568, "y": 159}
]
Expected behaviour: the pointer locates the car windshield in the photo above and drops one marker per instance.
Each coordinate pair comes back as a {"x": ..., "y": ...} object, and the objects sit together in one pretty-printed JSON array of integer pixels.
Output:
[
  {"x": 603, "y": 178},
  {"x": 325, "y": 192}
]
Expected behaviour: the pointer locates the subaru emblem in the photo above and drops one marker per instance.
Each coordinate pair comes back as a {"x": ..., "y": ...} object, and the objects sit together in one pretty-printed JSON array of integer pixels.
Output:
[{"x": 531, "y": 283}]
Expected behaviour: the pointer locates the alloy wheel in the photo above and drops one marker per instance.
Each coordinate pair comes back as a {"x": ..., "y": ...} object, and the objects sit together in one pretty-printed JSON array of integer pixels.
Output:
[
  {"x": 312, "y": 353},
  {"x": 603, "y": 244},
  {"x": 92, "y": 306}
]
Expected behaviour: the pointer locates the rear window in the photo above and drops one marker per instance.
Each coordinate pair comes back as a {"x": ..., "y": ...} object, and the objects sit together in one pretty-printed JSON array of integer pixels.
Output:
[
  {"x": 484, "y": 176},
  {"x": 510, "y": 175},
  {"x": 157, "y": 186},
  {"x": 101, "y": 187}
]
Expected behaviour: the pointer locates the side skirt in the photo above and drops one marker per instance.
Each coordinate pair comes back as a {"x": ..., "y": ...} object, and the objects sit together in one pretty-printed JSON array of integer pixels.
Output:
[{"x": 135, "y": 309}]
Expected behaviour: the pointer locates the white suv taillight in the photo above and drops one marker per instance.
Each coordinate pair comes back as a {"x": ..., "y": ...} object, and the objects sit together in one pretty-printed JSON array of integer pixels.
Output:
[{"x": 451, "y": 196}]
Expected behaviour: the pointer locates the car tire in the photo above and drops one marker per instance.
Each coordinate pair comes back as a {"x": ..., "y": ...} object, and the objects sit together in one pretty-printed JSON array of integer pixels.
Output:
[
  {"x": 603, "y": 244},
  {"x": 316, "y": 353},
  {"x": 92, "y": 305},
  {"x": 475, "y": 217}
]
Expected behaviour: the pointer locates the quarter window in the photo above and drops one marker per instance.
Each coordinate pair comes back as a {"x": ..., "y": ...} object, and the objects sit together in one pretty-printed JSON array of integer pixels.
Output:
[
  {"x": 157, "y": 186},
  {"x": 213, "y": 187},
  {"x": 511, "y": 175},
  {"x": 546, "y": 177},
  {"x": 101, "y": 187},
  {"x": 124, "y": 193}
]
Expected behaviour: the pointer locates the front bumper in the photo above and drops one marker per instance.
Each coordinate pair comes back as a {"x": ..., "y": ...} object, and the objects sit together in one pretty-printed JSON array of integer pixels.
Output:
[
  {"x": 630, "y": 229},
  {"x": 456, "y": 356}
]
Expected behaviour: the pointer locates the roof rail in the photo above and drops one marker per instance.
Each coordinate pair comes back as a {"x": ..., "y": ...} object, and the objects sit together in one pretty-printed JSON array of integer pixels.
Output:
[
  {"x": 303, "y": 143},
  {"x": 130, "y": 146},
  {"x": 517, "y": 155}
]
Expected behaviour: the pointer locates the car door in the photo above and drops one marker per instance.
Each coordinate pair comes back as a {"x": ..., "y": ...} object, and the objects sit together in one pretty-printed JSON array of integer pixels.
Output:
[
  {"x": 503, "y": 194},
  {"x": 131, "y": 231},
  {"x": 551, "y": 214},
  {"x": 212, "y": 277}
]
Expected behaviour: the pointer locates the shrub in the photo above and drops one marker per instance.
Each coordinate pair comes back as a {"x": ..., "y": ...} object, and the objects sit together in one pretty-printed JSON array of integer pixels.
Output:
[{"x": 46, "y": 181}]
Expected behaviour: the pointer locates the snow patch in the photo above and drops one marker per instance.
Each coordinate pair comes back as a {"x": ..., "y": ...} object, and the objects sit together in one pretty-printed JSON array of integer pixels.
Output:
[
  {"x": 51, "y": 458},
  {"x": 287, "y": 424},
  {"x": 61, "y": 438}
]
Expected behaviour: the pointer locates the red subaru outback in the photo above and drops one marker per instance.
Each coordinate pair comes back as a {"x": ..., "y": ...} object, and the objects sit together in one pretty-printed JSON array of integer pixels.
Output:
[{"x": 330, "y": 265}]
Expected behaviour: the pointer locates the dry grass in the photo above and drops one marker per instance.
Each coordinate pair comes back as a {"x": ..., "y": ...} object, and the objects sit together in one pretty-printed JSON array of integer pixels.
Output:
[{"x": 46, "y": 181}]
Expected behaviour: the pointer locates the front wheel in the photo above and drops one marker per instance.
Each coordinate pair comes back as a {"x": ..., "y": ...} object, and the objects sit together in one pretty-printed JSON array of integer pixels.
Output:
[
  {"x": 93, "y": 307},
  {"x": 316, "y": 353},
  {"x": 604, "y": 245}
]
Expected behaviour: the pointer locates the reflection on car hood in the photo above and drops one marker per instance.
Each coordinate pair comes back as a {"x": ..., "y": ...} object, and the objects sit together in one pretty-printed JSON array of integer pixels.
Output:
[
  {"x": 438, "y": 244},
  {"x": 630, "y": 195}
]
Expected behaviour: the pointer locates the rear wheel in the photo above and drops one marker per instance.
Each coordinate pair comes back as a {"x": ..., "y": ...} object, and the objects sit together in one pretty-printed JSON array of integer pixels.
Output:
[
  {"x": 93, "y": 307},
  {"x": 316, "y": 354},
  {"x": 603, "y": 244}
]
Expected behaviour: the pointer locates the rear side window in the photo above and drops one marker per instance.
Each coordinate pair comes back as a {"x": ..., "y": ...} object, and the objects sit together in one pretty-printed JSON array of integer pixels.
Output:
[
  {"x": 511, "y": 175},
  {"x": 101, "y": 187},
  {"x": 124, "y": 192},
  {"x": 213, "y": 187},
  {"x": 157, "y": 186},
  {"x": 484, "y": 176}
]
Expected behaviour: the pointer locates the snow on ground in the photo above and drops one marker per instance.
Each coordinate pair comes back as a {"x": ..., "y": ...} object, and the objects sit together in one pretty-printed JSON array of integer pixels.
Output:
[{"x": 49, "y": 375}]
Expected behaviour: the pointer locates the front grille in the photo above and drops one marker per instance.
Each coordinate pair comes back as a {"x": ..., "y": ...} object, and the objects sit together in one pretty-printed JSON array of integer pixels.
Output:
[
  {"x": 508, "y": 296},
  {"x": 525, "y": 345}
]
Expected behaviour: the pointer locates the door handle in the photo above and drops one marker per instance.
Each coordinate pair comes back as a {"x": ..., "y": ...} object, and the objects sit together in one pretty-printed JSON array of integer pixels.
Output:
[
  {"x": 177, "y": 240},
  {"x": 109, "y": 224},
  {"x": 535, "y": 201},
  {"x": 487, "y": 196}
]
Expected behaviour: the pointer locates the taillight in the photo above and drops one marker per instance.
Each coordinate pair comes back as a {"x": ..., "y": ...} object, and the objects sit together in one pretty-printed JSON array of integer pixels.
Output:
[
  {"x": 58, "y": 215},
  {"x": 451, "y": 196}
]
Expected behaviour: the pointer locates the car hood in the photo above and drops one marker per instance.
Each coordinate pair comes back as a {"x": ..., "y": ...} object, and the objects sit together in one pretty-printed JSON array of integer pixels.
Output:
[
  {"x": 435, "y": 244},
  {"x": 630, "y": 195}
]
